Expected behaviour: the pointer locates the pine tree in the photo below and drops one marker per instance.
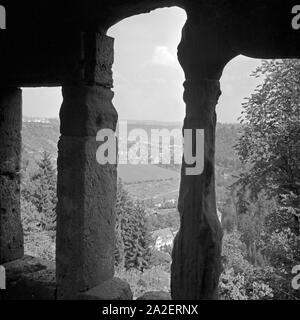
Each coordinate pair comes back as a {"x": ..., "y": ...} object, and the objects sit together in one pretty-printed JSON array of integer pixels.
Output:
[
  {"x": 43, "y": 191},
  {"x": 133, "y": 238}
]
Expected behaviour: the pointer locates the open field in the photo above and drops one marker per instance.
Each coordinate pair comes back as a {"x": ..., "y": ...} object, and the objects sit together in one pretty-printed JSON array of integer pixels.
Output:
[
  {"x": 130, "y": 173},
  {"x": 156, "y": 190}
]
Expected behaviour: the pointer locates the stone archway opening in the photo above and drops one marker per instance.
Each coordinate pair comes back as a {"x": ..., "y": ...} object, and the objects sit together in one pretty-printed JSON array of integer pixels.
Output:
[
  {"x": 40, "y": 135},
  {"x": 237, "y": 85},
  {"x": 148, "y": 97}
]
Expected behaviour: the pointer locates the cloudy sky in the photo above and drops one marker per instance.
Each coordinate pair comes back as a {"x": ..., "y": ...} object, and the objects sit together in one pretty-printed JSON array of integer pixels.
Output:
[{"x": 147, "y": 76}]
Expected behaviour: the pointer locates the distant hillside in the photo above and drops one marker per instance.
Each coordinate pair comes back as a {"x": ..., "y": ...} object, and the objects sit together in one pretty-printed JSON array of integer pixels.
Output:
[
  {"x": 143, "y": 172},
  {"x": 226, "y": 138},
  {"x": 40, "y": 135},
  {"x": 43, "y": 134}
]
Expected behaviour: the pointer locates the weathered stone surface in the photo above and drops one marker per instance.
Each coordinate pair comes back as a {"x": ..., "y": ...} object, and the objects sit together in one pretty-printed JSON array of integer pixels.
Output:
[
  {"x": 99, "y": 59},
  {"x": 40, "y": 285},
  {"x": 86, "y": 199},
  {"x": 30, "y": 278},
  {"x": 10, "y": 130},
  {"x": 112, "y": 289},
  {"x": 64, "y": 57},
  {"x": 11, "y": 232},
  {"x": 196, "y": 253},
  {"x": 155, "y": 295},
  {"x": 27, "y": 264},
  {"x": 85, "y": 222},
  {"x": 86, "y": 109}
]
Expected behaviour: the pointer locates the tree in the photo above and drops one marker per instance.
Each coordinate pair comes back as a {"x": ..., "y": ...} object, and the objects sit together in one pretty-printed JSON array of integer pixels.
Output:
[
  {"x": 240, "y": 280},
  {"x": 269, "y": 186},
  {"x": 133, "y": 238},
  {"x": 269, "y": 143},
  {"x": 41, "y": 192}
]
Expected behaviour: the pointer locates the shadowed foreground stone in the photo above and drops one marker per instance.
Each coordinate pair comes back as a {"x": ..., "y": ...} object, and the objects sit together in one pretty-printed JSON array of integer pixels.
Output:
[
  {"x": 112, "y": 289},
  {"x": 86, "y": 191},
  {"x": 29, "y": 278},
  {"x": 196, "y": 264},
  {"x": 11, "y": 232},
  {"x": 155, "y": 295},
  {"x": 39, "y": 285}
]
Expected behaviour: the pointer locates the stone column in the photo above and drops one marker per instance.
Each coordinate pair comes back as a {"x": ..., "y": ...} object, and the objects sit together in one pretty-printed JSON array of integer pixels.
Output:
[
  {"x": 11, "y": 232},
  {"x": 196, "y": 254},
  {"x": 86, "y": 189}
]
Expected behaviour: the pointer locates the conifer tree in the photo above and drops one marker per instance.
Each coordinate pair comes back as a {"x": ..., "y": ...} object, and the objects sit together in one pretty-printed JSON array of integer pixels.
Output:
[
  {"x": 43, "y": 191},
  {"x": 132, "y": 234}
]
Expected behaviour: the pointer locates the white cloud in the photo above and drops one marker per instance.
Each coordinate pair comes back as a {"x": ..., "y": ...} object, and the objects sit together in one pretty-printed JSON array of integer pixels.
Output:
[{"x": 163, "y": 57}]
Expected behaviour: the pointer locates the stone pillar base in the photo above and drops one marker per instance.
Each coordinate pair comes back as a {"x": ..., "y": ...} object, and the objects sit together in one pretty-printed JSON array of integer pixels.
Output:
[
  {"x": 155, "y": 295},
  {"x": 112, "y": 289},
  {"x": 29, "y": 278}
]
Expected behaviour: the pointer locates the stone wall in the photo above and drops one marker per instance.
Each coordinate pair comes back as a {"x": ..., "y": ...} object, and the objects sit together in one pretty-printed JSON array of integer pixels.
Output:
[{"x": 11, "y": 233}]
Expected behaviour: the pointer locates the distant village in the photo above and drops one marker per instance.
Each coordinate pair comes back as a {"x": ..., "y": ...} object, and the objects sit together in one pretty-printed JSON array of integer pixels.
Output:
[{"x": 164, "y": 237}]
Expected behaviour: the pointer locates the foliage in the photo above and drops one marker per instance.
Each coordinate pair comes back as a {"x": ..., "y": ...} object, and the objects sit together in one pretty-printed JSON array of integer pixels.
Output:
[
  {"x": 160, "y": 219},
  {"x": 232, "y": 286},
  {"x": 153, "y": 279},
  {"x": 267, "y": 252},
  {"x": 268, "y": 190},
  {"x": 281, "y": 249},
  {"x": 39, "y": 191},
  {"x": 269, "y": 143},
  {"x": 30, "y": 217},
  {"x": 38, "y": 201},
  {"x": 229, "y": 215},
  {"x": 40, "y": 244},
  {"x": 226, "y": 137},
  {"x": 162, "y": 259},
  {"x": 133, "y": 238},
  {"x": 240, "y": 280},
  {"x": 234, "y": 252},
  {"x": 251, "y": 223}
]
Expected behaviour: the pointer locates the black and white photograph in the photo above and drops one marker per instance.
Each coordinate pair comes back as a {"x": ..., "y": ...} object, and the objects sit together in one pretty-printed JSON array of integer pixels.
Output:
[{"x": 149, "y": 151}]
